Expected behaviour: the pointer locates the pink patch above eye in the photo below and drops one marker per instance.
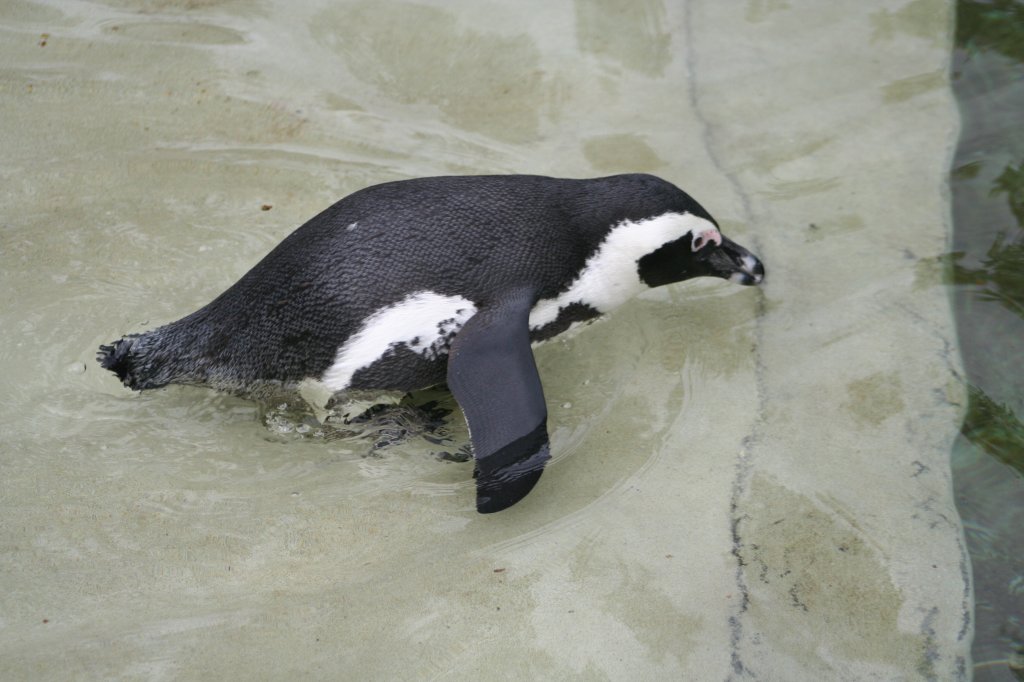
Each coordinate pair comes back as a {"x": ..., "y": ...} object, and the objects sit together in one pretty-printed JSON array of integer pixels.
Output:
[{"x": 701, "y": 239}]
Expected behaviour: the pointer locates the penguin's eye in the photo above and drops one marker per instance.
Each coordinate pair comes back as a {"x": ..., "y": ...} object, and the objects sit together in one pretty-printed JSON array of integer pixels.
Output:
[{"x": 704, "y": 237}]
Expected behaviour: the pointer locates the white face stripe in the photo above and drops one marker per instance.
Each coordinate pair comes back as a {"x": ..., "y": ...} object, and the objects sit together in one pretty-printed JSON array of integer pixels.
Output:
[
  {"x": 610, "y": 276},
  {"x": 421, "y": 321}
]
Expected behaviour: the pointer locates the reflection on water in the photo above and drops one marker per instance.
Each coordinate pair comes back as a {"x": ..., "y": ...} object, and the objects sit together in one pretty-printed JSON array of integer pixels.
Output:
[
  {"x": 1000, "y": 277},
  {"x": 995, "y": 428},
  {"x": 987, "y": 269}
]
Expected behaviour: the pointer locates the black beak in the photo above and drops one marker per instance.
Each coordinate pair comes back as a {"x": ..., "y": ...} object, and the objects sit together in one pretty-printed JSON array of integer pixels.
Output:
[{"x": 734, "y": 263}]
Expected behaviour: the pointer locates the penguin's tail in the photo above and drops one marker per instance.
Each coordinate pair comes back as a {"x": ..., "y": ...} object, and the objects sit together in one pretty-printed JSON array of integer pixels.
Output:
[{"x": 122, "y": 357}]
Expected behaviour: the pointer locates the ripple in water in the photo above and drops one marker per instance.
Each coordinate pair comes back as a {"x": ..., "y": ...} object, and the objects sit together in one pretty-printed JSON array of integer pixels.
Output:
[{"x": 423, "y": 420}]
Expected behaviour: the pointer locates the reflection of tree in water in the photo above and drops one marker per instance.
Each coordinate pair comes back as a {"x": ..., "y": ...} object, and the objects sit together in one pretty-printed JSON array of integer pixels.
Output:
[
  {"x": 1011, "y": 183},
  {"x": 994, "y": 427},
  {"x": 1001, "y": 274},
  {"x": 989, "y": 424},
  {"x": 1002, "y": 270},
  {"x": 987, "y": 61},
  {"x": 992, "y": 25}
]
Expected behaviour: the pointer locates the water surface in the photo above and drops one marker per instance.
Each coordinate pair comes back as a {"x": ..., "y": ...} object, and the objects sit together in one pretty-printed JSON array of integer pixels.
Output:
[{"x": 746, "y": 482}]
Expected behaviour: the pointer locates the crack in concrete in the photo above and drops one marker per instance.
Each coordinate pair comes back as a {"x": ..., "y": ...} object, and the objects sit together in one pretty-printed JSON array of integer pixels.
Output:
[{"x": 743, "y": 464}]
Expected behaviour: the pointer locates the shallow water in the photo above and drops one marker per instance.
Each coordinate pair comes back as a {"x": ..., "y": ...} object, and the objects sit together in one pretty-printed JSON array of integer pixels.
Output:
[
  {"x": 745, "y": 482},
  {"x": 987, "y": 267}
]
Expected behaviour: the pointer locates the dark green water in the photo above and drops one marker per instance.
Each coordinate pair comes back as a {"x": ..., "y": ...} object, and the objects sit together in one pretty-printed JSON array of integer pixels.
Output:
[{"x": 987, "y": 273}]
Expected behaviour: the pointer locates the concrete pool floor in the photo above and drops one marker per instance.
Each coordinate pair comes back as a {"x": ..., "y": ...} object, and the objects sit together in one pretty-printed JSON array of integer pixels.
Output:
[{"x": 746, "y": 484}]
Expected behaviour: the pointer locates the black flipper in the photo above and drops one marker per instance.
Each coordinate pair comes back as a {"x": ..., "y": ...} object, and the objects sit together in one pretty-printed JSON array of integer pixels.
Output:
[{"x": 492, "y": 374}]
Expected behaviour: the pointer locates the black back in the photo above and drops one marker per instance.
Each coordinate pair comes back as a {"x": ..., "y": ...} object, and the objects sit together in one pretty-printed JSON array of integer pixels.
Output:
[{"x": 470, "y": 236}]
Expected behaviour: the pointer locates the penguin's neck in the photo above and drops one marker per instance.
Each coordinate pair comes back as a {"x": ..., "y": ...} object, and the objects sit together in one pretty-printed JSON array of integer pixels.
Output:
[{"x": 610, "y": 276}]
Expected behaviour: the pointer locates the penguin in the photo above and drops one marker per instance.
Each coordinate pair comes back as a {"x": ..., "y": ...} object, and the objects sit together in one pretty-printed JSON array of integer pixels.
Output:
[{"x": 416, "y": 283}]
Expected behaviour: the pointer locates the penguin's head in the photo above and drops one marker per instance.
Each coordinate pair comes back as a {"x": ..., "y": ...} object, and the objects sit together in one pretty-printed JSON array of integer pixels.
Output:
[{"x": 702, "y": 252}]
